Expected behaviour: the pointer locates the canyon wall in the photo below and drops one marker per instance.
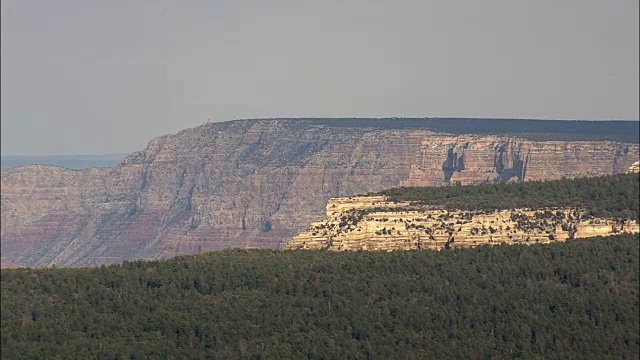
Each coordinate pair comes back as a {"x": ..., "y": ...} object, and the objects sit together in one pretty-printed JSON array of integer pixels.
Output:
[
  {"x": 355, "y": 224},
  {"x": 255, "y": 184}
]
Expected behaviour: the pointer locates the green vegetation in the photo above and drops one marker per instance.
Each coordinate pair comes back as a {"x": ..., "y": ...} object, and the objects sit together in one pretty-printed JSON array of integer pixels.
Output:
[
  {"x": 538, "y": 130},
  {"x": 577, "y": 299},
  {"x": 567, "y": 300},
  {"x": 612, "y": 196}
]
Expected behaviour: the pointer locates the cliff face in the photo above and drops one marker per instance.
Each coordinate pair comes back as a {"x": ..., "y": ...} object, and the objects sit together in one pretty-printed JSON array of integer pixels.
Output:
[
  {"x": 254, "y": 183},
  {"x": 353, "y": 224},
  {"x": 474, "y": 159}
]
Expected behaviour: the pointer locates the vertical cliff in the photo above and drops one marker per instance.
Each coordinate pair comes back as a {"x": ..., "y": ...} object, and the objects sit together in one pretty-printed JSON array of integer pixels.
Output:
[{"x": 255, "y": 183}]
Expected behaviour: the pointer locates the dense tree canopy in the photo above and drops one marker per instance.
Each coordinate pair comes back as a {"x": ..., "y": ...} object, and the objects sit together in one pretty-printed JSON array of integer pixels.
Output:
[
  {"x": 578, "y": 299},
  {"x": 537, "y": 130},
  {"x": 611, "y": 196},
  {"x": 566, "y": 300}
]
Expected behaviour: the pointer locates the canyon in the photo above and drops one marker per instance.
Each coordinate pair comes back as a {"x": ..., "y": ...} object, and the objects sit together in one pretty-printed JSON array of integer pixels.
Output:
[{"x": 257, "y": 184}]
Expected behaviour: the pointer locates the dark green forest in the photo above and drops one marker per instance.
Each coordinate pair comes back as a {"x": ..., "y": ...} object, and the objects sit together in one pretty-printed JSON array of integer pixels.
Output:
[
  {"x": 577, "y": 299},
  {"x": 538, "y": 130},
  {"x": 611, "y": 196}
]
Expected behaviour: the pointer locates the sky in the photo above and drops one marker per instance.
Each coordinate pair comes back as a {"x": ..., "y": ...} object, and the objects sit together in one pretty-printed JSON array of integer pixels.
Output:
[{"x": 99, "y": 77}]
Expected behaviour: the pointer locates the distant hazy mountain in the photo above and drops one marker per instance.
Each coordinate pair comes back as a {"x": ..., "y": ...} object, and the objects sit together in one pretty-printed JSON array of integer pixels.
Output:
[{"x": 74, "y": 162}]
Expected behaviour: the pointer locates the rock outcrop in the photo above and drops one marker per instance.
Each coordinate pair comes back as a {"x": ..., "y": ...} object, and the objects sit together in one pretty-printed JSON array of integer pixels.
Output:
[
  {"x": 356, "y": 224},
  {"x": 255, "y": 184}
]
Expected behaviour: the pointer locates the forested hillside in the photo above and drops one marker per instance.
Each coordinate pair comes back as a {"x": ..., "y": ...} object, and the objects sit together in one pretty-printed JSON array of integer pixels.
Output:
[
  {"x": 539, "y": 130},
  {"x": 565, "y": 300},
  {"x": 611, "y": 196}
]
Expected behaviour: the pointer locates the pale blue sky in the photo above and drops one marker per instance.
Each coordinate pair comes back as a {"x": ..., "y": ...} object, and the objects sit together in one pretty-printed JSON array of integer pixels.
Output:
[{"x": 93, "y": 77}]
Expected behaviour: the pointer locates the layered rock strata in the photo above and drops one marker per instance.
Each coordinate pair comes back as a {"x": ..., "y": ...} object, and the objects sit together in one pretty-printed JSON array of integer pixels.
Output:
[
  {"x": 355, "y": 224},
  {"x": 254, "y": 184}
]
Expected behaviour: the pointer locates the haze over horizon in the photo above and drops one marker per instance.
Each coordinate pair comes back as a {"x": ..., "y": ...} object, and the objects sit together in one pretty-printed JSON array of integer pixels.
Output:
[{"x": 106, "y": 77}]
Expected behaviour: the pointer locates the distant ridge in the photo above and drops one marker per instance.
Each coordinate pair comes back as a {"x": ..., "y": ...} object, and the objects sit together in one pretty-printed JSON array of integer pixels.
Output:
[
  {"x": 73, "y": 162},
  {"x": 627, "y": 131}
]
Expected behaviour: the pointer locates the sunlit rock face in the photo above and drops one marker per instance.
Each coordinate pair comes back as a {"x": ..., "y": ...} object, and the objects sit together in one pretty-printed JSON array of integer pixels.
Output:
[
  {"x": 255, "y": 184},
  {"x": 358, "y": 224}
]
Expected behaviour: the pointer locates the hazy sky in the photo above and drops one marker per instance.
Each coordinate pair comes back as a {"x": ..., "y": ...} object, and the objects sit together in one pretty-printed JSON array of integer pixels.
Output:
[{"x": 92, "y": 77}]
